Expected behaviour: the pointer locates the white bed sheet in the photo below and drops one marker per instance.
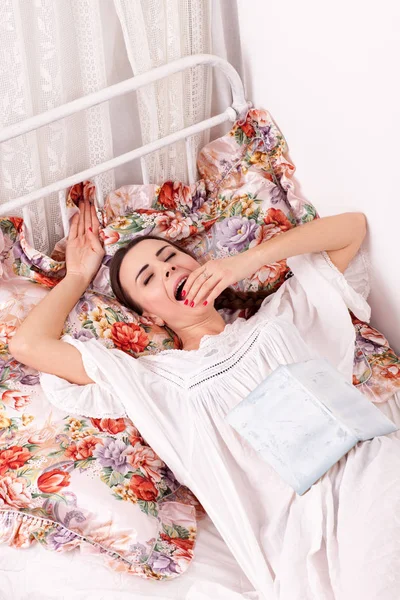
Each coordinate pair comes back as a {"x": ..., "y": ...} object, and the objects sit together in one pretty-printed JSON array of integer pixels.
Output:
[{"x": 39, "y": 574}]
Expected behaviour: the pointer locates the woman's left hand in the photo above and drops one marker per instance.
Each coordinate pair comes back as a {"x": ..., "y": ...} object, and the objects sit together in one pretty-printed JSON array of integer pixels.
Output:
[{"x": 221, "y": 273}]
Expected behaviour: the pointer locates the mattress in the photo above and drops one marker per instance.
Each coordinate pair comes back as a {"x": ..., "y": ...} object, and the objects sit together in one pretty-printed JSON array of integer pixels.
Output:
[{"x": 38, "y": 574}]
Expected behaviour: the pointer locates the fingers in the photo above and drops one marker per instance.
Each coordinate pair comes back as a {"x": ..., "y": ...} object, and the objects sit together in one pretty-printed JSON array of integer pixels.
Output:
[
  {"x": 82, "y": 222},
  {"x": 95, "y": 220},
  {"x": 81, "y": 225},
  {"x": 202, "y": 290},
  {"x": 190, "y": 289},
  {"x": 93, "y": 238},
  {"x": 88, "y": 216},
  {"x": 73, "y": 227},
  {"x": 215, "y": 292}
]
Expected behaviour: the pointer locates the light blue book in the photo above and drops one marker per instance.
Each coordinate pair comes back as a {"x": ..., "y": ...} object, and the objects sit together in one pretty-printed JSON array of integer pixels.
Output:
[{"x": 305, "y": 417}]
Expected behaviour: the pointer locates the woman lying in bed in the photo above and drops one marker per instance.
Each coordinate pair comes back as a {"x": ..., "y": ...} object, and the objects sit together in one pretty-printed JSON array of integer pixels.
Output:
[{"x": 338, "y": 541}]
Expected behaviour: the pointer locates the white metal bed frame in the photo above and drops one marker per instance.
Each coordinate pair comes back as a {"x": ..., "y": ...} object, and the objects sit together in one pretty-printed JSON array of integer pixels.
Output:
[{"x": 238, "y": 107}]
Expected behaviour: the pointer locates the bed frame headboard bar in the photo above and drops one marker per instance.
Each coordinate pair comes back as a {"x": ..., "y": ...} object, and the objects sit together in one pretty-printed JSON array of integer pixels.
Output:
[
  {"x": 238, "y": 108},
  {"x": 228, "y": 115},
  {"x": 239, "y": 103}
]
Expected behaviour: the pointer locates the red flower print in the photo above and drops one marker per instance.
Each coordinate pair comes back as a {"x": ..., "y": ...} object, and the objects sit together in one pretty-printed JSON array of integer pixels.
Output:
[
  {"x": 146, "y": 211},
  {"x": 180, "y": 542},
  {"x": 143, "y": 488},
  {"x": 16, "y": 221},
  {"x": 166, "y": 196},
  {"x": 76, "y": 193},
  {"x": 39, "y": 278},
  {"x": 276, "y": 217},
  {"x": 85, "y": 447},
  {"x": 6, "y": 332},
  {"x": 15, "y": 398},
  {"x": 13, "y": 458},
  {"x": 173, "y": 193},
  {"x": 52, "y": 482},
  {"x": 392, "y": 372},
  {"x": 14, "y": 492},
  {"x": 109, "y": 236},
  {"x": 129, "y": 336},
  {"x": 248, "y": 129},
  {"x": 112, "y": 426},
  {"x": 71, "y": 451}
]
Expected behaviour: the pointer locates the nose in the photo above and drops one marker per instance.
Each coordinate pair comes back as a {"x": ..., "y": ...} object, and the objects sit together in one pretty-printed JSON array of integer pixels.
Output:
[{"x": 168, "y": 270}]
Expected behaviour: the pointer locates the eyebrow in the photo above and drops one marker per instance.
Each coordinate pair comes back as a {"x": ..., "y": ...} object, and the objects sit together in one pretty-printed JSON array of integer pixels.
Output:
[{"x": 145, "y": 266}]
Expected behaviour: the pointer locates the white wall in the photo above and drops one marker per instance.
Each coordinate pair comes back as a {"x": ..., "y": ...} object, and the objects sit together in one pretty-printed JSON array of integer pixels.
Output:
[{"x": 329, "y": 75}]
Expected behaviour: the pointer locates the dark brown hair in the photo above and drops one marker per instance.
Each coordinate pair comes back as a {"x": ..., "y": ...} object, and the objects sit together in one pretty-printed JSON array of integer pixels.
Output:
[{"x": 229, "y": 298}]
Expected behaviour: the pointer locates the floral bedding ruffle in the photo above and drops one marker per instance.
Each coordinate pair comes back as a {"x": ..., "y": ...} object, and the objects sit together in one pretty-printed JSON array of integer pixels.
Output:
[{"x": 69, "y": 482}]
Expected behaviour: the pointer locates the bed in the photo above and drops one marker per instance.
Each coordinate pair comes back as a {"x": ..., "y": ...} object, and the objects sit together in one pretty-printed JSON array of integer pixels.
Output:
[
  {"x": 36, "y": 572},
  {"x": 213, "y": 572}
]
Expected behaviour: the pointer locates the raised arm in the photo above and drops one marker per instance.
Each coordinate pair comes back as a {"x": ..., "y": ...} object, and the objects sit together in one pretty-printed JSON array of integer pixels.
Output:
[
  {"x": 36, "y": 342},
  {"x": 340, "y": 236}
]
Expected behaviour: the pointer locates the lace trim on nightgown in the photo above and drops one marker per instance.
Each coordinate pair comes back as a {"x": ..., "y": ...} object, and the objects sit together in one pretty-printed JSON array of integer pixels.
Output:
[
  {"x": 233, "y": 352},
  {"x": 357, "y": 274},
  {"x": 230, "y": 357},
  {"x": 206, "y": 339}
]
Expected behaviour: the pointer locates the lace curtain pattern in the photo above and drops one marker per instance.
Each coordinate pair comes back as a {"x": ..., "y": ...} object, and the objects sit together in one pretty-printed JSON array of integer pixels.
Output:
[
  {"x": 50, "y": 53},
  {"x": 53, "y": 52},
  {"x": 157, "y": 32}
]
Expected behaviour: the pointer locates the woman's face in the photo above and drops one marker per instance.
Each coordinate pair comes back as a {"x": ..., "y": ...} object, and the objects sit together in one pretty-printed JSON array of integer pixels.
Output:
[{"x": 150, "y": 272}]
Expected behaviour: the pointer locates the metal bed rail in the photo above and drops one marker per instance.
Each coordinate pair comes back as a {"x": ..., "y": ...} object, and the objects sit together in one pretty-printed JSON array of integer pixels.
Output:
[{"x": 238, "y": 108}]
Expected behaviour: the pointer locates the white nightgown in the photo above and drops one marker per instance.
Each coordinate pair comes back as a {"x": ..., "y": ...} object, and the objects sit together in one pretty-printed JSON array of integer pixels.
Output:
[{"x": 340, "y": 541}]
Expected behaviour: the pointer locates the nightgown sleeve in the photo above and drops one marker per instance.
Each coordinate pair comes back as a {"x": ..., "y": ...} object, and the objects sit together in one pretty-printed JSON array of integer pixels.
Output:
[
  {"x": 95, "y": 400},
  {"x": 317, "y": 300},
  {"x": 353, "y": 285},
  {"x": 124, "y": 387}
]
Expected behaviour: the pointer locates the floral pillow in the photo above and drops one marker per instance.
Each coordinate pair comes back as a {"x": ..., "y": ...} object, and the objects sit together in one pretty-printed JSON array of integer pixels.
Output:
[
  {"x": 68, "y": 482},
  {"x": 376, "y": 365},
  {"x": 248, "y": 206},
  {"x": 246, "y": 196}
]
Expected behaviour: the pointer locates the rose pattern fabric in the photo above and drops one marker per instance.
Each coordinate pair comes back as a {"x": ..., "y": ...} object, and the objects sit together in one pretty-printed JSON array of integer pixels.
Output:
[
  {"x": 62, "y": 478},
  {"x": 245, "y": 197}
]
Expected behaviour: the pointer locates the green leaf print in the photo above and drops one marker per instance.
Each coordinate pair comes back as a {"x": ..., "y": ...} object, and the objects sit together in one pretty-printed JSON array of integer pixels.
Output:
[
  {"x": 83, "y": 464},
  {"x": 57, "y": 452},
  {"x": 106, "y": 474},
  {"x": 5, "y": 374},
  {"x": 115, "y": 478},
  {"x": 255, "y": 215},
  {"x": 237, "y": 209},
  {"x": 176, "y": 531},
  {"x": 310, "y": 213},
  {"x": 31, "y": 447},
  {"x": 135, "y": 225},
  {"x": 239, "y": 136},
  {"x": 8, "y": 228},
  {"x": 89, "y": 325},
  {"x": 117, "y": 496},
  {"x": 150, "y": 508},
  {"x": 111, "y": 316},
  {"x": 27, "y": 473},
  {"x": 52, "y": 496},
  {"x": 182, "y": 532}
]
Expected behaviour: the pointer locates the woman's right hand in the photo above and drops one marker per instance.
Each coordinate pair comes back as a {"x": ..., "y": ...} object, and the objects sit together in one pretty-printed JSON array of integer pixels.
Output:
[{"x": 84, "y": 251}]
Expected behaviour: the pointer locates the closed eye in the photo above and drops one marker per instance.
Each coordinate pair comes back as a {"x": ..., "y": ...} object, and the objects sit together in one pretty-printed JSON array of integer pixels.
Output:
[{"x": 150, "y": 276}]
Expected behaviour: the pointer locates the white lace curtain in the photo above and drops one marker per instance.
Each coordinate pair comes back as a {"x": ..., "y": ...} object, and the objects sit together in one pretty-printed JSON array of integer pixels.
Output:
[
  {"x": 54, "y": 51},
  {"x": 50, "y": 53},
  {"x": 157, "y": 32}
]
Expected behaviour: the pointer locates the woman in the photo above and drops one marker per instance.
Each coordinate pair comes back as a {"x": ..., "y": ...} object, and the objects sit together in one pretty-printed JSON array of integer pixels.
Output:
[{"x": 317, "y": 546}]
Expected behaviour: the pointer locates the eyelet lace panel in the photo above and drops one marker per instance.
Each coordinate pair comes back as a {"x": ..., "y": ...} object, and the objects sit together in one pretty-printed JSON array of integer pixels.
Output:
[{"x": 222, "y": 366}]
